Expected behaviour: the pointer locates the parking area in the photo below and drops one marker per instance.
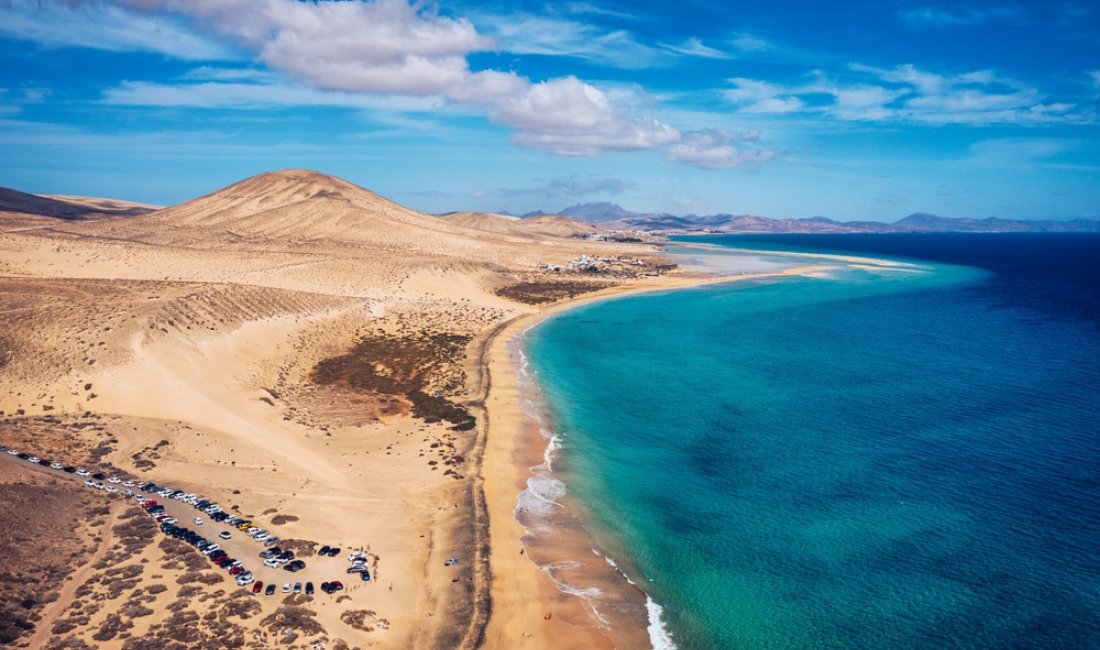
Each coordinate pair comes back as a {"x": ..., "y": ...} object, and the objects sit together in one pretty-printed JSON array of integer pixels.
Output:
[{"x": 256, "y": 558}]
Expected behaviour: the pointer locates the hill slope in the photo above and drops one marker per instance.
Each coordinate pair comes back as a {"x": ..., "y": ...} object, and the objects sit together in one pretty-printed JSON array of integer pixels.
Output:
[{"x": 69, "y": 208}]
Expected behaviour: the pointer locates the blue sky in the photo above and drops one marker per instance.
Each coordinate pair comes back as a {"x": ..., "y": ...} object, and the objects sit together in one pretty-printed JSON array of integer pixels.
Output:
[{"x": 866, "y": 110}]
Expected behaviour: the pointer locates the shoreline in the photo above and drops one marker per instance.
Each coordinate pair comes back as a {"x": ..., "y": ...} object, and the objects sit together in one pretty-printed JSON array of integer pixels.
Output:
[{"x": 528, "y": 607}]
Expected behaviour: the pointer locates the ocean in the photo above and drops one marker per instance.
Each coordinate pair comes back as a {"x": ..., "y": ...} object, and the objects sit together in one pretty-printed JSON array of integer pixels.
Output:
[{"x": 875, "y": 458}]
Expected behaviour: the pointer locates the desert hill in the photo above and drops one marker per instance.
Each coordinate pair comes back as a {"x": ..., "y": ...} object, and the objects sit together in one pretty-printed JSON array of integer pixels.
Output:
[
  {"x": 66, "y": 207},
  {"x": 308, "y": 210}
]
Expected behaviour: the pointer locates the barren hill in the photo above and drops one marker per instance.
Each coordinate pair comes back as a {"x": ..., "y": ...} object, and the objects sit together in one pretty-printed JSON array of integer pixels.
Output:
[
  {"x": 66, "y": 207},
  {"x": 295, "y": 207}
]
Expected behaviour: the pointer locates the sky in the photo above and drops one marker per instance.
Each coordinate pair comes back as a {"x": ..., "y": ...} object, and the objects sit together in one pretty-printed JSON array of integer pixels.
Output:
[{"x": 865, "y": 109}]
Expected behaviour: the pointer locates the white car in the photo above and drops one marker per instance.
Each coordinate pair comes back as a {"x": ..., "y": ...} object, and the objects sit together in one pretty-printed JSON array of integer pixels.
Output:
[
  {"x": 83, "y": 472},
  {"x": 210, "y": 549},
  {"x": 271, "y": 563},
  {"x": 261, "y": 536},
  {"x": 89, "y": 482},
  {"x": 286, "y": 587},
  {"x": 114, "y": 479},
  {"x": 128, "y": 484},
  {"x": 224, "y": 534},
  {"x": 245, "y": 579},
  {"x": 110, "y": 488},
  {"x": 56, "y": 465},
  {"x": 33, "y": 459},
  {"x": 13, "y": 452}
]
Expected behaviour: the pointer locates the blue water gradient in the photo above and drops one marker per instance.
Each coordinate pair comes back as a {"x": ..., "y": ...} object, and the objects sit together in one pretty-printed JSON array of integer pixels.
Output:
[{"x": 872, "y": 460}]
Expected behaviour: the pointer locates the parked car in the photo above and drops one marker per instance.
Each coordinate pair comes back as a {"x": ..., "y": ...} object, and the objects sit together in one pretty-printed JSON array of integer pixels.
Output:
[
  {"x": 56, "y": 466},
  {"x": 271, "y": 563},
  {"x": 309, "y": 588},
  {"x": 334, "y": 551},
  {"x": 271, "y": 541},
  {"x": 83, "y": 472},
  {"x": 270, "y": 589},
  {"x": 235, "y": 570},
  {"x": 295, "y": 566},
  {"x": 258, "y": 587},
  {"x": 224, "y": 534},
  {"x": 286, "y": 587}
]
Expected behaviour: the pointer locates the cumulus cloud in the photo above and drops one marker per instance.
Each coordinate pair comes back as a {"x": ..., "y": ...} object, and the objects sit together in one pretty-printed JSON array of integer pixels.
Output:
[
  {"x": 719, "y": 149},
  {"x": 392, "y": 47}
]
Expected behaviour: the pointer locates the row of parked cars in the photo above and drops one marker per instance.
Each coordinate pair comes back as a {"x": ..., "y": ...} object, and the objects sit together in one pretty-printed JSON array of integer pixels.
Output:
[
  {"x": 273, "y": 556},
  {"x": 208, "y": 548}
]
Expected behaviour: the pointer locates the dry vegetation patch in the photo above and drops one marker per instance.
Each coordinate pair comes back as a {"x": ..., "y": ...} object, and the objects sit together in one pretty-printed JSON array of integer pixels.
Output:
[
  {"x": 41, "y": 543},
  {"x": 539, "y": 292},
  {"x": 406, "y": 366}
]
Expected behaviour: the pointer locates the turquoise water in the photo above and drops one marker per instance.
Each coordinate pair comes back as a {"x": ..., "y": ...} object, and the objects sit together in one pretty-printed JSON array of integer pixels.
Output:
[{"x": 870, "y": 460}]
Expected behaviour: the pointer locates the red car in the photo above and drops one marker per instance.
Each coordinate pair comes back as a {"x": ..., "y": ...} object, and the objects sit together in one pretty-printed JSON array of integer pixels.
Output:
[
  {"x": 256, "y": 587},
  {"x": 222, "y": 561},
  {"x": 236, "y": 570}
]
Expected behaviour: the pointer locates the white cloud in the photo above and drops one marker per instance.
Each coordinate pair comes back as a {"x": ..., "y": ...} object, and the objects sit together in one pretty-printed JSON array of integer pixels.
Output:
[
  {"x": 100, "y": 25},
  {"x": 519, "y": 33},
  {"x": 907, "y": 94},
  {"x": 749, "y": 43},
  {"x": 346, "y": 52},
  {"x": 399, "y": 55},
  {"x": 695, "y": 47},
  {"x": 243, "y": 96},
  {"x": 385, "y": 46},
  {"x": 718, "y": 149}
]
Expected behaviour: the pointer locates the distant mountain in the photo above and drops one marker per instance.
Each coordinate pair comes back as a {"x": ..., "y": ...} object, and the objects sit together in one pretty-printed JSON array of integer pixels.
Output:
[{"x": 613, "y": 217}]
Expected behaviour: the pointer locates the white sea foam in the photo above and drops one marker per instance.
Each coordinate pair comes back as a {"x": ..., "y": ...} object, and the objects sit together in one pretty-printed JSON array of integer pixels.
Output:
[{"x": 658, "y": 636}]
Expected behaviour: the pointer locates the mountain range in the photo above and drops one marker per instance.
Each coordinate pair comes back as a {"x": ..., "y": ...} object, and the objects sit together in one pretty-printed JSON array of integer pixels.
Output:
[{"x": 613, "y": 217}]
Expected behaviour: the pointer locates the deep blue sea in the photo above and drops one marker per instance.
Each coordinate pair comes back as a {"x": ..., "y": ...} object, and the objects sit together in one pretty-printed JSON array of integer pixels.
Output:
[{"x": 874, "y": 459}]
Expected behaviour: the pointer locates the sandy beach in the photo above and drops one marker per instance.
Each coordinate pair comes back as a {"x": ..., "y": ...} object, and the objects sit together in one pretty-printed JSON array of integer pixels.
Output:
[{"x": 530, "y": 610}]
